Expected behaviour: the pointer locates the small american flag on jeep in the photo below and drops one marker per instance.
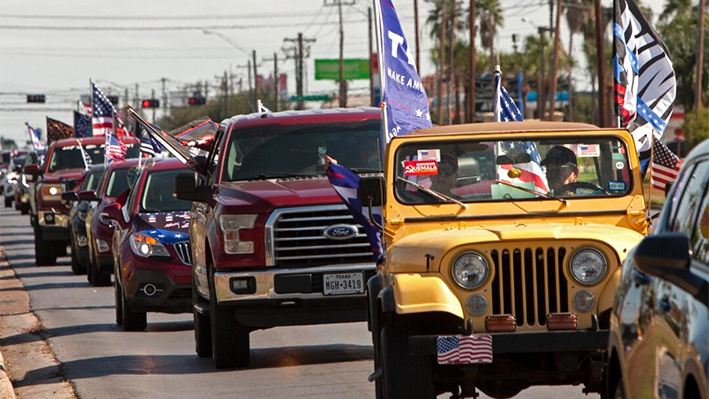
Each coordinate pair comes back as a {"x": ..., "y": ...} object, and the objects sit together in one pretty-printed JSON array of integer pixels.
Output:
[{"x": 465, "y": 350}]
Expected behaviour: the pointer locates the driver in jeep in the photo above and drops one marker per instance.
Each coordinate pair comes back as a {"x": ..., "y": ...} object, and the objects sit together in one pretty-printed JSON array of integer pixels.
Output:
[{"x": 561, "y": 167}]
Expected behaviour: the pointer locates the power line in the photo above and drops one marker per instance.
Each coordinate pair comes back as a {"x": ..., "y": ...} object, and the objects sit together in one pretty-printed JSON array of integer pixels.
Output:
[
  {"x": 269, "y": 15},
  {"x": 162, "y": 28}
]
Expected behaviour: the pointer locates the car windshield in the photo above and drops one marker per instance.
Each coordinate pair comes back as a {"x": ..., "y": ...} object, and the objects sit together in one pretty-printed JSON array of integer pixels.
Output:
[
  {"x": 69, "y": 157},
  {"x": 479, "y": 171},
  {"x": 91, "y": 181},
  {"x": 275, "y": 151},
  {"x": 117, "y": 183},
  {"x": 157, "y": 194}
]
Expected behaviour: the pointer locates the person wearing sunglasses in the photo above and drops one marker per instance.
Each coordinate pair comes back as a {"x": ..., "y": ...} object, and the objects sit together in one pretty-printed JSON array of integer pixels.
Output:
[
  {"x": 561, "y": 167},
  {"x": 445, "y": 180}
]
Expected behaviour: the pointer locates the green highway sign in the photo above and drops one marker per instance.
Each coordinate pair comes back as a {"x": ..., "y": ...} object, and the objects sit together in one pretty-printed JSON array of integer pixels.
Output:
[
  {"x": 353, "y": 69},
  {"x": 317, "y": 97}
]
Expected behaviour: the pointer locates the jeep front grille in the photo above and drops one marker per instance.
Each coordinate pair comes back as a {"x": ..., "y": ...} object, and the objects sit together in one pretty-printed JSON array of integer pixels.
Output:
[
  {"x": 294, "y": 238},
  {"x": 529, "y": 283},
  {"x": 183, "y": 251}
]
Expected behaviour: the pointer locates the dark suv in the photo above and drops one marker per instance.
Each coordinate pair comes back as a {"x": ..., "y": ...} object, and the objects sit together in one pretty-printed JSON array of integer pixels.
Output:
[
  {"x": 272, "y": 242},
  {"x": 659, "y": 335}
]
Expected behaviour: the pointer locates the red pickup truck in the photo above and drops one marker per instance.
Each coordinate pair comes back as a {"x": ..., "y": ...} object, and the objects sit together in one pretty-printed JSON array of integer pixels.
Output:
[
  {"x": 272, "y": 243},
  {"x": 60, "y": 172}
]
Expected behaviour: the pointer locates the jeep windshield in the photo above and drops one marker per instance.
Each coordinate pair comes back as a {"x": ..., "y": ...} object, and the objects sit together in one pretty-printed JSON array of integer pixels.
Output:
[
  {"x": 481, "y": 171},
  {"x": 69, "y": 157},
  {"x": 292, "y": 151}
]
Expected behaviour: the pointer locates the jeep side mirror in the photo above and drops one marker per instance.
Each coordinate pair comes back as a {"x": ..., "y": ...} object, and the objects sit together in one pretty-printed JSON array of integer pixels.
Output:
[
  {"x": 186, "y": 188},
  {"x": 667, "y": 256},
  {"x": 89, "y": 195},
  {"x": 372, "y": 190},
  {"x": 113, "y": 212},
  {"x": 70, "y": 196}
]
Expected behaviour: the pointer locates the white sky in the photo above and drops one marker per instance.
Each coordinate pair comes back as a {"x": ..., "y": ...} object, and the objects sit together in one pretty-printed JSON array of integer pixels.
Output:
[{"x": 59, "y": 63}]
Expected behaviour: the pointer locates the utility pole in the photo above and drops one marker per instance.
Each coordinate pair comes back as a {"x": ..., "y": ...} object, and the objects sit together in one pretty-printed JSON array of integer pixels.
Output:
[
  {"x": 555, "y": 65},
  {"x": 256, "y": 95},
  {"x": 341, "y": 76},
  {"x": 136, "y": 99},
  {"x": 125, "y": 94},
  {"x": 152, "y": 95},
  {"x": 416, "y": 35},
  {"x": 251, "y": 91},
  {"x": 600, "y": 65},
  {"x": 275, "y": 79},
  {"x": 164, "y": 96},
  {"x": 298, "y": 55},
  {"x": 225, "y": 87},
  {"x": 371, "y": 67},
  {"x": 451, "y": 62},
  {"x": 442, "y": 61},
  {"x": 471, "y": 89},
  {"x": 541, "y": 98}
]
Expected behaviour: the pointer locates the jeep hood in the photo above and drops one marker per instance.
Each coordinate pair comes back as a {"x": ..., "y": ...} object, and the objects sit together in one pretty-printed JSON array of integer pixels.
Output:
[
  {"x": 264, "y": 195},
  {"x": 414, "y": 247}
]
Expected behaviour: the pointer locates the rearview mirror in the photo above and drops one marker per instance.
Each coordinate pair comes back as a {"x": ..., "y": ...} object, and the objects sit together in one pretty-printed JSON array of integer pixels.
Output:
[
  {"x": 113, "y": 212},
  {"x": 371, "y": 191},
  {"x": 186, "y": 188}
]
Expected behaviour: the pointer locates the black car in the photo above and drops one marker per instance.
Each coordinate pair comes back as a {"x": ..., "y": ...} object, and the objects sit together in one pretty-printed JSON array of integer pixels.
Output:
[
  {"x": 659, "y": 334},
  {"x": 77, "y": 216}
]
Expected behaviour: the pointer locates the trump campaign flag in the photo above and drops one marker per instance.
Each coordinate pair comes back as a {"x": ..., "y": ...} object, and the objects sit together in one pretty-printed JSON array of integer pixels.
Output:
[
  {"x": 35, "y": 137},
  {"x": 404, "y": 99},
  {"x": 506, "y": 110}
]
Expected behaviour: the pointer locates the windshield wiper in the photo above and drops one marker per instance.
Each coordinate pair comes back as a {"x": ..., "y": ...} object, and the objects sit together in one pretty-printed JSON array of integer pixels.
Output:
[
  {"x": 366, "y": 170},
  {"x": 284, "y": 175},
  {"x": 433, "y": 193},
  {"x": 538, "y": 194}
]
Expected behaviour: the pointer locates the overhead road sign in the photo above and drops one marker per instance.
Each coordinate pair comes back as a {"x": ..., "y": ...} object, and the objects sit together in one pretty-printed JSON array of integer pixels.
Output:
[{"x": 353, "y": 69}]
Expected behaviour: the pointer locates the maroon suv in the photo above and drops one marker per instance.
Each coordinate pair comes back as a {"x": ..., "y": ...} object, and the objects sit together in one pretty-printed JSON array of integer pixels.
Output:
[{"x": 272, "y": 243}]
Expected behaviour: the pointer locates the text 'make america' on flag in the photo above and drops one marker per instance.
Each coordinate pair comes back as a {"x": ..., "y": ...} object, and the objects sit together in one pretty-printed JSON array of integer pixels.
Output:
[{"x": 474, "y": 349}]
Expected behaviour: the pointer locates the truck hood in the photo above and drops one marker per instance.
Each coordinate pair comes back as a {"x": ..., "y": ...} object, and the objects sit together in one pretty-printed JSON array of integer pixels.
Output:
[
  {"x": 415, "y": 247},
  {"x": 265, "y": 195}
]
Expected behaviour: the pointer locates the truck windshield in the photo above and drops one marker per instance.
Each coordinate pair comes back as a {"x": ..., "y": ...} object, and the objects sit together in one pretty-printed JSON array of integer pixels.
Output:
[
  {"x": 157, "y": 194},
  {"x": 277, "y": 151},
  {"x": 477, "y": 171},
  {"x": 69, "y": 157}
]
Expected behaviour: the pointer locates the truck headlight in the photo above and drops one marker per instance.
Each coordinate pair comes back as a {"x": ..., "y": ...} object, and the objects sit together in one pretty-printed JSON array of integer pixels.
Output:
[
  {"x": 145, "y": 246},
  {"x": 470, "y": 270},
  {"x": 588, "y": 266},
  {"x": 230, "y": 225},
  {"x": 52, "y": 192}
]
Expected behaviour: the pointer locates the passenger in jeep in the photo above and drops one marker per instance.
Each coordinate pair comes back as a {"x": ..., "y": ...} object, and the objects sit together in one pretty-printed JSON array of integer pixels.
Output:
[{"x": 561, "y": 167}]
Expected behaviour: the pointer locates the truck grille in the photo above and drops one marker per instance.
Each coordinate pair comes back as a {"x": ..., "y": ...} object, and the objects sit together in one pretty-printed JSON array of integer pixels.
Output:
[
  {"x": 183, "y": 251},
  {"x": 529, "y": 283},
  {"x": 294, "y": 238}
]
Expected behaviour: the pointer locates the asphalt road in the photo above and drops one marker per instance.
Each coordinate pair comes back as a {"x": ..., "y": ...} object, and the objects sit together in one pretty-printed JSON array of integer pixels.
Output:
[{"x": 101, "y": 360}]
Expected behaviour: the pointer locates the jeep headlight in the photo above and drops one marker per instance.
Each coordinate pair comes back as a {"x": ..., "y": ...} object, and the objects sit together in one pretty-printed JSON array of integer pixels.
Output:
[
  {"x": 470, "y": 270},
  {"x": 52, "y": 192},
  {"x": 588, "y": 266},
  {"x": 231, "y": 224},
  {"x": 146, "y": 246}
]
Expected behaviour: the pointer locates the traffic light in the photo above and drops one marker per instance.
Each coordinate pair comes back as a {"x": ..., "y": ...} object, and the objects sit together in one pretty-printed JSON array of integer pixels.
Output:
[
  {"x": 196, "y": 101},
  {"x": 36, "y": 98},
  {"x": 150, "y": 103}
]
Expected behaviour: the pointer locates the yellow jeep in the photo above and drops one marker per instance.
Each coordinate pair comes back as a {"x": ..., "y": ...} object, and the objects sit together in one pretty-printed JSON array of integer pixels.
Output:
[{"x": 503, "y": 250}]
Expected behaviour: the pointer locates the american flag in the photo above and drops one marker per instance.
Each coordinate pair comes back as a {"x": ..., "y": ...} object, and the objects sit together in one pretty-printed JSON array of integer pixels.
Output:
[
  {"x": 85, "y": 155},
  {"x": 474, "y": 349},
  {"x": 505, "y": 108},
  {"x": 345, "y": 182},
  {"x": 115, "y": 148},
  {"x": 148, "y": 145},
  {"x": 103, "y": 111},
  {"x": 665, "y": 165},
  {"x": 35, "y": 137},
  {"x": 82, "y": 125}
]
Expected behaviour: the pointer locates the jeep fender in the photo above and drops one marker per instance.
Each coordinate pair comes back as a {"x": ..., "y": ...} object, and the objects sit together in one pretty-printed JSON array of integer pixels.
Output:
[{"x": 414, "y": 293}]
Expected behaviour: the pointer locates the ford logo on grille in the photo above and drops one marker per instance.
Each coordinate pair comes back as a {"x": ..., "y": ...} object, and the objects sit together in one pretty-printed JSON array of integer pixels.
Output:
[{"x": 340, "y": 232}]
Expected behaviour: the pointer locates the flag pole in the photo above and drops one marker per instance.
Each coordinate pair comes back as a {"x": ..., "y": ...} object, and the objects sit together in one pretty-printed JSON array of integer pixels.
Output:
[
  {"x": 616, "y": 105},
  {"x": 382, "y": 75},
  {"x": 652, "y": 164}
]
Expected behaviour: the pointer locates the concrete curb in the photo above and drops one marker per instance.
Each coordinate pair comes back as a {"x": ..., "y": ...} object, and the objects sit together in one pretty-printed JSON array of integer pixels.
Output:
[{"x": 6, "y": 389}]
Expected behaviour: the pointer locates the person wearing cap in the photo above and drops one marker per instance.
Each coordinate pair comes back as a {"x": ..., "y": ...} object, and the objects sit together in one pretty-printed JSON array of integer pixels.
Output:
[
  {"x": 561, "y": 167},
  {"x": 445, "y": 180}
]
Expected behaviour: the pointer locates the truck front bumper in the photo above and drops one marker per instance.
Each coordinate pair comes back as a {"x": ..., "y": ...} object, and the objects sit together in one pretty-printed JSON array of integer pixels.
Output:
[{"x": 281, "y": 297}]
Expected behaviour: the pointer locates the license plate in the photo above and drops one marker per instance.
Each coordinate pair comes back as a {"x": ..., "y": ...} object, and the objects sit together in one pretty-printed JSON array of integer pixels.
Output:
[
  {"x": 474, "y": 349},
  {"x": 343, "y": 283}
]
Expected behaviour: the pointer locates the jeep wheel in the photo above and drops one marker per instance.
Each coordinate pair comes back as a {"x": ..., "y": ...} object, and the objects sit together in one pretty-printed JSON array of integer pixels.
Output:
[
  {"x": 404, "y": 376},
  {"x": 230, "y": 339},
  {"x": 117, "y": 293},
  {"x": 44, "y": 253},
  {"x": 202, "y": 326},
  {"x": 132, "y": 321}
]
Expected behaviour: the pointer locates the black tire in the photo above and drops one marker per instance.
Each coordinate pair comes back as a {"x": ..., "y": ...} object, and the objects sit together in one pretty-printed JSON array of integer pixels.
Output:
[
  {"x": 117, "y": 293},
  {"x": 202, "y": 327},
  {"x": 96, "y": 277},
  {"x": 76, "y": 268},
  {"x": 619, "y": 391},
  {"x": 8, "y": 202},
  {"x": 230, "y": 339},
  {"x": 44, "y": 252},
  {"x": 132, "y": 321},
  {"x": 404, "y": 376},
  {"x": 24, "y": 209}
]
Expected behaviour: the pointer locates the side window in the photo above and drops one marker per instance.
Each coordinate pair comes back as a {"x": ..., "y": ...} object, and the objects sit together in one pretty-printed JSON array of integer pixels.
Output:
[
  {"x": 700, "y": 238},
  {"x": 689, "y": 200},
  {"x": 131, "y": 201},
  {"x": 213, "y": 159}
]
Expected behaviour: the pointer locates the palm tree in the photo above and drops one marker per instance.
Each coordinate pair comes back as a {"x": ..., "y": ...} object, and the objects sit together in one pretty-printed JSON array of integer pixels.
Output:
[
  {"x": 490, "y": 15},
  {"x": 577, "y": 13}
]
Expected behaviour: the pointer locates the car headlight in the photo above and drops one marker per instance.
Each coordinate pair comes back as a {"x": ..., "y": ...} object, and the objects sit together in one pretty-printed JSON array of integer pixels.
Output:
[
  {"x": 145, "y": 246},
  {"x": 470, "y": 270},
  {"x": 52, "y": 192},
  {"x": 588, "y": 266},
  {"x": 231, "y": 224}
]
